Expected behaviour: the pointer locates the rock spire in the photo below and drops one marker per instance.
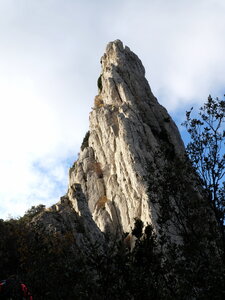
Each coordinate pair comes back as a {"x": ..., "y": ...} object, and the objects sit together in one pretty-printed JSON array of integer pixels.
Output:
[
  {"x": 108, "y": 184},
  {"x": 127, "y": 127}
]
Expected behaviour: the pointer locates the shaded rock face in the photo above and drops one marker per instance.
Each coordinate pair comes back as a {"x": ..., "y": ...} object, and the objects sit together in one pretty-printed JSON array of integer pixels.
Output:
[
  {"x": 127, "y": 127},
  {"x": 108, "y": 186}
]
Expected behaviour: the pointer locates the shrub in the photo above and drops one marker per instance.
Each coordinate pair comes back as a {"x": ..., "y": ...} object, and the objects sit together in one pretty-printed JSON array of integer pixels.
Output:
[
  {"x": 99, "y": 83},
  {"x": 101, "y": 202},
  {"x": 138, "y": 228},
  {"x": 33, "y": 211},
  {"x": 85, "y": 141},
  {"x": 98, "y": 102},
  {"x": 96, "y": 167}
]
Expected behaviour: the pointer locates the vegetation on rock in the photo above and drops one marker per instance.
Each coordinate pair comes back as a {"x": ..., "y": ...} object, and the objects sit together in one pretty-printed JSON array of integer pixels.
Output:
[
  {"x": 85, "y": 143},
  {"x": 99, "y": 83},
  {"x": 98, "y": 102}
]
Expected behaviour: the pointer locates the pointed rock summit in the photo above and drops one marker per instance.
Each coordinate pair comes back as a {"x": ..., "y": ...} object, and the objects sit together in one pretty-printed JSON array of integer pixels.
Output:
[
  {"x": 109, "y": 182},
  {"x": 127, "y": 127}
]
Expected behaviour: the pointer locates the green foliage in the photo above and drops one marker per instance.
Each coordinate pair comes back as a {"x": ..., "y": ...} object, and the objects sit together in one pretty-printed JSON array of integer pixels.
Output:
[
  {"x": 207, "y": 153},
  {"x": 54, "y": 268},
  {"x": 9, "y": 257},
  {"x": 174, "y": 190},
  {"x": 85, "y": 141},
  {"x": 34, "y": 211},
  {"x": 138, "y": 227},
  {"x": 99, "y": 83}
]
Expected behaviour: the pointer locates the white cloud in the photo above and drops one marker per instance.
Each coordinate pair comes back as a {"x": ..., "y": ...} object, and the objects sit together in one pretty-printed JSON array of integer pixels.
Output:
[
  {"x": 49, "y": 57},
  {"x": 182, "y": 46}
]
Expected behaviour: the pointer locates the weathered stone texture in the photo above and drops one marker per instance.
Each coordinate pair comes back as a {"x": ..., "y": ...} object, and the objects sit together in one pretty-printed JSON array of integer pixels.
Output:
[
  {"x": 108, "y": 188},
  {"x": 127, "y": 127}
]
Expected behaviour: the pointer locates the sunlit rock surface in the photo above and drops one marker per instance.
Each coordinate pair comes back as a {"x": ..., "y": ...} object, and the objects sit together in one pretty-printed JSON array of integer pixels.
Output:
[
  {"x": 127, "y": 126},
  {"x": 108, "y": 188}
]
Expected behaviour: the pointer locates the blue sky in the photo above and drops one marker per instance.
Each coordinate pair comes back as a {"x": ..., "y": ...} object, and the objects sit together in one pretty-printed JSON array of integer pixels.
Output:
[{"x": 49, "y": 58}]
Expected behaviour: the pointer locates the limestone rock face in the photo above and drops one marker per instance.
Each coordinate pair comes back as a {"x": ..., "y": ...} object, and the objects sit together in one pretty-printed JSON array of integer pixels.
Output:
[
  {"x": 127, "y": 127},
  {"x": 108, "y": 184}
]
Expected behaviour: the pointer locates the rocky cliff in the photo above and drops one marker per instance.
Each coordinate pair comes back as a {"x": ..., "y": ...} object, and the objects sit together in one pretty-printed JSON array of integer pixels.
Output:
[{"x": 108, "y": 184}]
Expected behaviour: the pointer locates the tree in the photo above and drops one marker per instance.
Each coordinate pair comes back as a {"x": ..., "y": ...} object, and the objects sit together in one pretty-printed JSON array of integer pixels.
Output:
[{"x": 207, "y": 153}]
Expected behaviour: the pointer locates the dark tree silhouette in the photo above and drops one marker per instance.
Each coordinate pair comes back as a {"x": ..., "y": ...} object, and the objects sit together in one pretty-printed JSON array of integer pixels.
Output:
[{"x": 207, "y": 152}]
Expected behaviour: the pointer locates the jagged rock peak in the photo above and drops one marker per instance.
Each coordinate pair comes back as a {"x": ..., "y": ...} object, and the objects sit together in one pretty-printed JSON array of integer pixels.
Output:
[
  {"x": 117, "y": 54},
  {"x": 123, "y": 77},
  {"x": 107, "y": 184},
  {"x": 132, "y": 153},
  {"x": 127, "y": 127}
]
